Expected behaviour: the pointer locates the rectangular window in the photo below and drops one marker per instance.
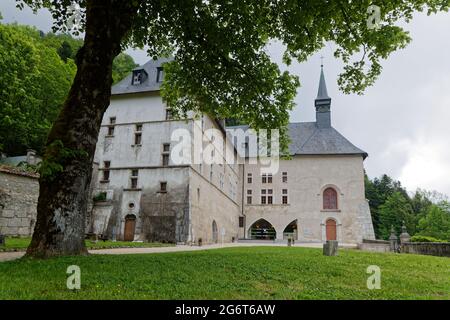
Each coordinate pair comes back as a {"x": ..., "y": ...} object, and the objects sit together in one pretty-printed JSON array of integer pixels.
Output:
[
  {"x": 166, "y": 147},
  {"x": 270, "y": 196},
  {"x": 249, "y": 178},
  {"x": 165, "y": 160},
  {"x": 134, "y": 178},
  {"x": 284, "y": 177},
  {"x": 241, "y": 222},
  {"x": 169, "y": 115},
  {"x": 249, "y": 196},
  {"x": 163, "y": 187},
  {"x": 112, "y": 122},
  {"x": 284, "y": 198},
  {"x": 269, "y": 178},
  {"x": 139, "y": 127},
  {"x": 264, "y": 178},
  {"x": 106, "y": 165},
  {"x": 134, "y": 182},
  {"x": 111, "y": 131},
  {"x": 159, "y": 74},
  {"x": 263, "y": 196},
  {"x": 137, "y": 139}
]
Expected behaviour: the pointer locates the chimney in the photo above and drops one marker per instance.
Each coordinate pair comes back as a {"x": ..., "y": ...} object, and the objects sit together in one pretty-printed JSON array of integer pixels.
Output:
[{"x": 323, "y": 104}]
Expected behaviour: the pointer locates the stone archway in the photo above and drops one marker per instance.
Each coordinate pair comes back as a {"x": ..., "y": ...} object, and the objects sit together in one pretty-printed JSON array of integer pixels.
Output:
[
  {"x": 291, "y": 231},
  {"x": 262, "y": 230},
  {"x": 215, "y": 232}
]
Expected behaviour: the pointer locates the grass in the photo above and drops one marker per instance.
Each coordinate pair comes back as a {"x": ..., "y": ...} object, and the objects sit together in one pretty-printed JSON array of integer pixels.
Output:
[
  {"x": 21, "y": 244},
  {"x": 230, "y": 273}
]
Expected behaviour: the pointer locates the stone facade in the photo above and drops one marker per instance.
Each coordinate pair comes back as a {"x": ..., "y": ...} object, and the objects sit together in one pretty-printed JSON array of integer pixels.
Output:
[
  {"x": 139, "y": 192},
  {"x": 160, "y": 200},
  {"x": 307, "y": 178},
  {"x": 18, "y": 198}
]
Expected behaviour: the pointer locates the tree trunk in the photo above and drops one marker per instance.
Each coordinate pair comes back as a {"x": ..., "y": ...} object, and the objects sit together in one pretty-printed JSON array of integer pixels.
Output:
[{"x": 63, "y": 197}]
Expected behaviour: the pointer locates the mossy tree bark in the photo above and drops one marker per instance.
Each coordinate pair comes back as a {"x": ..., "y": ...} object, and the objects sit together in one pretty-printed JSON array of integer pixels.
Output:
[{"x": 63, "y": 197}]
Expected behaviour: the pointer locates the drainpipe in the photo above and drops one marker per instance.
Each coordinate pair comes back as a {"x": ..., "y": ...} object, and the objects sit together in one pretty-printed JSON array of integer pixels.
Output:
[{"x": 242, "y": 198}]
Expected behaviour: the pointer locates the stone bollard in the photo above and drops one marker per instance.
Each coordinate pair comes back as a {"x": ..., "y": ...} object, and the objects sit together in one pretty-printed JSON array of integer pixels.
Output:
[
  {"x": 393, "y": 240},
  {"x": 330, "y": 248},
  {"x": 404, "y": 236}
]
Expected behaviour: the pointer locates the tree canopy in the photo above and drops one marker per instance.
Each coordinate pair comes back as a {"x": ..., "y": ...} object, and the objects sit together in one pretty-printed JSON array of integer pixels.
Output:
[
  {"x": 221, "y": 66},
  {"x": 423, "y": 212}
]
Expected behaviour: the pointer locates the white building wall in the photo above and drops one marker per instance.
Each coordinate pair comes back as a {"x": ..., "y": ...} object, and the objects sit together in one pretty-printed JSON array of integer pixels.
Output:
[{"x": 308, "y": 176}]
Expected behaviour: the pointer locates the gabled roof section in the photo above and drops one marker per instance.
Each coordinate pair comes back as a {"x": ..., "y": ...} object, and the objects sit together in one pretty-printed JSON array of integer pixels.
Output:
[
  {"x": 150, "y": 84},
  {"x": 308, "y": 139}
]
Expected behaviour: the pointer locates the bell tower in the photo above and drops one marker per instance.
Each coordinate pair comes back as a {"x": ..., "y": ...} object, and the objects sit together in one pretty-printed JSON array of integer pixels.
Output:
[{"x": 323, "y": 103}]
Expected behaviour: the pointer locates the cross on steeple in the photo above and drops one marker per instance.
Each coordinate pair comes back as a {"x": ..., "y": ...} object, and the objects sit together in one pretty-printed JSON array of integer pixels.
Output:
[{"x": 321, "y": 61}]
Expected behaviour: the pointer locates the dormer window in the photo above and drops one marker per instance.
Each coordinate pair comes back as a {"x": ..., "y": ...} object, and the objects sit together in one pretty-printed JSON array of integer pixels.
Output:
[
  {"x": 139, "y": 76},
  {"x": 159, "y": 74}
]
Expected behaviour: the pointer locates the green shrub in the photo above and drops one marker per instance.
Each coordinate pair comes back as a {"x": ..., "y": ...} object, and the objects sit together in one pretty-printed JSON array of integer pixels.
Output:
[{"x": 425, "y": 239}]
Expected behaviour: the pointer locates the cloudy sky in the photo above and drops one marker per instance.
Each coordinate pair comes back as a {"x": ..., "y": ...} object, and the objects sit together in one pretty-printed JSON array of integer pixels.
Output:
[{"x": 403, "y": 121}]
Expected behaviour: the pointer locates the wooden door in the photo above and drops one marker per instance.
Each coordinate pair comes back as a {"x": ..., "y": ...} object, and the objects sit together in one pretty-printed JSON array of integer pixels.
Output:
[
  {"x": 130, "y": 225},
  {"x": 331, "y": 229}
]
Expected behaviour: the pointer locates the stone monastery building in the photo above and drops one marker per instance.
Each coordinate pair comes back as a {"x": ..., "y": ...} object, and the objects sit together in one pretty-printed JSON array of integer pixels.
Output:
[{"x": 140, "y": 193}]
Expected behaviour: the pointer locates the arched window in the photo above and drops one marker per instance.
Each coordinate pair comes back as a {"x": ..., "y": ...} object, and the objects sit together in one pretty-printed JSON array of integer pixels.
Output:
[{"x": 330, "y": 201}]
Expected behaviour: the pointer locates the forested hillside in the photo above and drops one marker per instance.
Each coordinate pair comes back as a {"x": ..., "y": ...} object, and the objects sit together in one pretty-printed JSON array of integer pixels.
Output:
[
  {"x": 36, "y": 71},
  {"x": 425, "y": 214}
]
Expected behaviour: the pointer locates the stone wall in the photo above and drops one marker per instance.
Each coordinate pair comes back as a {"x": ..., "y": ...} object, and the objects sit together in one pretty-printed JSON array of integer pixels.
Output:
[
  {"x": 374, "y": 245},
  {"x": 441, "y": 249},
  {"x": 18, "y": 199}
]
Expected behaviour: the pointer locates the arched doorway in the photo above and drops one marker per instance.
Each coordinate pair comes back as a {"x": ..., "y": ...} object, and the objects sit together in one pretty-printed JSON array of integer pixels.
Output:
[
  {"x": 262, "y": 230},
  {"x": 331, "y": 229},
  {"x": 290, "y": 232},
  {"x": 215, "y": 233},
  {"x": 130, "y": 226}
]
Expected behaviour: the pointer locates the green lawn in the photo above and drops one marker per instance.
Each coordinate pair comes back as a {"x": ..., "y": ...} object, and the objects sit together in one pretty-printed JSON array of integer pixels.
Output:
[
  {"x": 230, "y": 273},
  {"x": 21, "y": 244}
]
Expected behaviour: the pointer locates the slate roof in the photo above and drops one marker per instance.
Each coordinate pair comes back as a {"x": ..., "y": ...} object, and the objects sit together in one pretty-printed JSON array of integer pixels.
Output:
[
  {"x": 307, "y": 139},
  {"x": 150, "y": 84}
]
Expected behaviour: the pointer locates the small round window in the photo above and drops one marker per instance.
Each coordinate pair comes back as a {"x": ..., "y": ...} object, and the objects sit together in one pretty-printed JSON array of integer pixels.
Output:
[{"x": 131, "y": 205}]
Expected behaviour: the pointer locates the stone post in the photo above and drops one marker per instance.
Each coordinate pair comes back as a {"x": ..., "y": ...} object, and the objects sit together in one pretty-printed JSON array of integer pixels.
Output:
[
  {"x": 404, "y": 236},
  {"x": 393, "y": 240},
  {"x": 330, "y": 248}
]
